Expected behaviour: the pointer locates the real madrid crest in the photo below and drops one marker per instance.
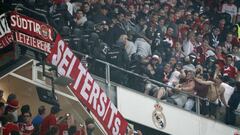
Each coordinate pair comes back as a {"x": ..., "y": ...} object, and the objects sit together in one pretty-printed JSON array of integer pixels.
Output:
[{"x": 158, "y": 117}]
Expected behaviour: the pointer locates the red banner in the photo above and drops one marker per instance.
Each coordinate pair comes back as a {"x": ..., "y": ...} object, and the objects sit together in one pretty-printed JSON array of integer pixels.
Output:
[
  {"x": 86, "y": 89},
  {"x": 5, "y": 32},
  {"x": 32, "y": 42},
  {"x": 32, "y": 27}
]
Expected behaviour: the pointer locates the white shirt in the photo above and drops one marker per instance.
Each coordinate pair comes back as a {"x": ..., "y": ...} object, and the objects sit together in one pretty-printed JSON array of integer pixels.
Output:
[
  {"x": 70, "y": 7},
  {"x": 230, "y": 9},
  {"x": 143, "y": 47},
  {"x": 130, "y": 49},
  {"x": 228, "y": 91},
  {"x": 188, "y": 47},
  {"x": 174, "y": 78}
]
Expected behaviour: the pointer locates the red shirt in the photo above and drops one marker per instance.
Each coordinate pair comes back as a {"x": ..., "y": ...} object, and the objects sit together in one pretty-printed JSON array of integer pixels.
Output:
[
  {"x": 62, "y": 127},
  {"x": 27, "y": 129},
  {"x": 230, "y": 71},
  {"x": 9, "y": 127},
  {"x": 80, "y": 132},
  {"x": 50, "y": 120}
]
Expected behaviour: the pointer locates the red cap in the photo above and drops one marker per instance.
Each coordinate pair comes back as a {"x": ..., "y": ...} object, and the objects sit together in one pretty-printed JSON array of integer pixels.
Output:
[{"x": 13, "y": 104}]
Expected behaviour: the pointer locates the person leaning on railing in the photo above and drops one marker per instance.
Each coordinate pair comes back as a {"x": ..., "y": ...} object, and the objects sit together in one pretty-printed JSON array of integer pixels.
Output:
[
  {"x": 188, "y": 87},
  {"x": 215, "y": 94}
]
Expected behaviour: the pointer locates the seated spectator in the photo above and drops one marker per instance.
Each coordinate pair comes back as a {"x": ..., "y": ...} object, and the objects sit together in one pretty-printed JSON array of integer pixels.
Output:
[
  {"x": 143, "y": 47},
  {"x": 176, "y": 75},
  {"x": 164, "y": 74},
  {"x": 154, "y": 90},
  {"x": 80, "y": 18},
  {"x": 236, "y": 53},
  {"x": 152, "y": 65},
  {"x": 128, "y": 45},
  {"x": 49, "y": 121}
]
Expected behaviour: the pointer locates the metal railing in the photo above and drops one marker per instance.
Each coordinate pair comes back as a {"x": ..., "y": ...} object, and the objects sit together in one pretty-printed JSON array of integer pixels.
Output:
[{"x": 108, "y": 66}]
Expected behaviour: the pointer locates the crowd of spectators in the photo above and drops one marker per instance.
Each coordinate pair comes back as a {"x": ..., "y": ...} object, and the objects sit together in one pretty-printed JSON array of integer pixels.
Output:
[
  {"x": 41, "y": 124},
  {"x": 192, "y": 46}
]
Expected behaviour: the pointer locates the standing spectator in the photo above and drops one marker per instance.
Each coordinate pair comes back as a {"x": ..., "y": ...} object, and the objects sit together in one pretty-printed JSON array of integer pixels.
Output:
[
  {"x": 233, "y": 103},
  {"x": 231, "y": 9},
  {"x": 69, "y": 6},
  {"x": 177, "y": 51},
  {"x": 227, "y": 45},
  {"x": 1, "y": 111},
  {"x": 49, "y": 121},
  {"x": 89, "y": 122},
  {"x": 102, "y": 15},
  {"x": 169, "y": 36},
  {"x": 24, "y": 109},
  {"x": 188, "y": 86},
  {"x": 215, "y": 95},
  {"x": 228, "y": 88},
  {"x": 54, "y": 130},
  {"x": 1, "y": 96},
  {"x": 229, "y": 69},
  {"x": 202, "y": 91},
  {"x": 26, "y": 126},
  {"x": 37, "y": 120},
  {"x": 214, "y": 37},
  {"x": 10, "y": 125},
  {"x": 189, "y": 44},
  {"x": 12, "y": 106}
]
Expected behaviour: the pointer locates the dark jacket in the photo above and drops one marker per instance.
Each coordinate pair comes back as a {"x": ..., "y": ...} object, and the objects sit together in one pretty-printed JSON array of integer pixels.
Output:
[{"x": 234, "y": 100}]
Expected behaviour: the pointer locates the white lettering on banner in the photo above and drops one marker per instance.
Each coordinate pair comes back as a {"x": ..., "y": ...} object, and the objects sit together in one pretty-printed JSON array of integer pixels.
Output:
[
  {"x": 71, "y": 66},
  {"x": 63, "y": 65},
  {"x": 115, "y": 129},
  {"x": 6, "y": 40},
  {"x": 57, "y": 57},
  {"x": 101, "y": 107},
  {"x": 113, "y": 112},
  {"x": 86, "y": 86},
  {"x": 28, "y": 24},
  {"x": 4, "y": 28},
  {"x": 80, "y": 75},
  {"x": 94, "y": 95},
  {"x": 33, "y": 42},
  {"x": 86, "y": 89}
]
